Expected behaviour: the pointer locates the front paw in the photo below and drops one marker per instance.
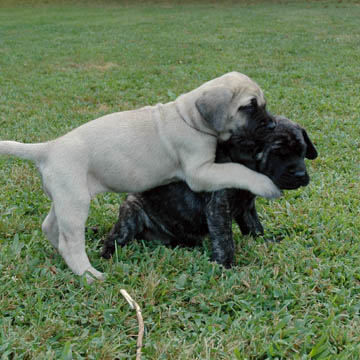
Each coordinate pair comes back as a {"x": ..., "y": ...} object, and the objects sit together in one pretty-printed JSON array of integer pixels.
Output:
[
  {"x": 92, "y": 275},
  {"x": 263, "y": 186},
  {"x": 108, "y": 249}
]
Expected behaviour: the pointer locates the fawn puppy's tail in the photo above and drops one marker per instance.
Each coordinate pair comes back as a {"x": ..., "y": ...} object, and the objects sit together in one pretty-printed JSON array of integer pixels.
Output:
[{"x": 34, "y": 152}]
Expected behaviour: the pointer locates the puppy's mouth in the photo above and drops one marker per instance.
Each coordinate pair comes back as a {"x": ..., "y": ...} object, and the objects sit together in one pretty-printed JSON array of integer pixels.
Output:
[{"x": 290, "y": 183}]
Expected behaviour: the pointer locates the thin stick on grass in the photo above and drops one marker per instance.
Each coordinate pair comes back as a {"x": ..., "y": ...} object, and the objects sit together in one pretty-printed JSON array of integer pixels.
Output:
[{"x": 135, "y": 306}]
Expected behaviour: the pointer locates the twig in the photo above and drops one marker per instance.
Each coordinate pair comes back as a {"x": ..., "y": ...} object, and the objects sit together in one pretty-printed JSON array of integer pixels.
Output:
[{"x": 135, "y": 306}]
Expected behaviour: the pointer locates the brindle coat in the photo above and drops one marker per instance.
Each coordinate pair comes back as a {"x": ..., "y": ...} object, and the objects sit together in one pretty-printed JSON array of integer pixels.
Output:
[{"x": 175, "y": 215}]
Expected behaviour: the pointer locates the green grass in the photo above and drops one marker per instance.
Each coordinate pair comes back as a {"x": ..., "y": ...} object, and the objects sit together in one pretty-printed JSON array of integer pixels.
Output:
[{"x": 62, "y": 65}]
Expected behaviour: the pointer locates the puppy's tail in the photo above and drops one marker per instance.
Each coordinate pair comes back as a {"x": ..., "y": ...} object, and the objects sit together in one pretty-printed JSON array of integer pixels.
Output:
[{"x": 33, "y": 152}]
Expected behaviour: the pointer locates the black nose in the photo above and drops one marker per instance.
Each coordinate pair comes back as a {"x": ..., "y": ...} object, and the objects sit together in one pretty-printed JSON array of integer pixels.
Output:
[{"x": 300, "y": 173}]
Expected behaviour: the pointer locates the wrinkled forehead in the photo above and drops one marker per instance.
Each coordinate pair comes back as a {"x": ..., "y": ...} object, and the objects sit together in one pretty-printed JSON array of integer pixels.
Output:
[
  {"x": 244, "y": 88},
  {"x": 289, "y": 139},
  {"x": 249, "y": 91}
]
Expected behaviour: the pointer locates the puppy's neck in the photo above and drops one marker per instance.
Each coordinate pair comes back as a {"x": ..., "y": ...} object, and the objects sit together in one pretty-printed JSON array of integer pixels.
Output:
[{"x": 189, "y": 114}]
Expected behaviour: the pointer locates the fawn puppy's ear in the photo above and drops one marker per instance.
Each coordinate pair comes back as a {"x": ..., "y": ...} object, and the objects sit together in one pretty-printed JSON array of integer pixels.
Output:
[{"x": 213, "y": 106}]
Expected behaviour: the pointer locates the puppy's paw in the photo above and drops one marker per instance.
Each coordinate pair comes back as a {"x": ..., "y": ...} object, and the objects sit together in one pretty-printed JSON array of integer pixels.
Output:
[
  {"x": 108, "y": 250},
  {"x": 92, "y": 274},
  {"x": 263, "y": 186}
]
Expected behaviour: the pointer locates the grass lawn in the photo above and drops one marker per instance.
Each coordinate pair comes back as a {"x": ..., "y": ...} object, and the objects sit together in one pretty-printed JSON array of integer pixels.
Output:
[{"x": 62, "y": 65}]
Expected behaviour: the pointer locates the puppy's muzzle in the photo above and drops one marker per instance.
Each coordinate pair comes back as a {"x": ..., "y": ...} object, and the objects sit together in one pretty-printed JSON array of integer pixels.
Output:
[
  {"x": 303, "y": 178},
  {"x": 294, "y": 181}
]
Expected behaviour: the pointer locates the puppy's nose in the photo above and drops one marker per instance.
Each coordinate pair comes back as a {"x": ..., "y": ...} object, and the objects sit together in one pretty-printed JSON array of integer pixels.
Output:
[{"x": 300, "y": 173}]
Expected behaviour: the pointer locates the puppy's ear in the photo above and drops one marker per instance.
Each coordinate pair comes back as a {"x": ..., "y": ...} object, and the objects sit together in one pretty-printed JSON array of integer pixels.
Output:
[
  {"x": 213, "y": 106},
  {"x": 311, "y": 152}
]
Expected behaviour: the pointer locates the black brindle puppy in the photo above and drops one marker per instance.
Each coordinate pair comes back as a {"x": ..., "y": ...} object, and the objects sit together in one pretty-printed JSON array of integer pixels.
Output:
[{"x": 175, "y": 215}]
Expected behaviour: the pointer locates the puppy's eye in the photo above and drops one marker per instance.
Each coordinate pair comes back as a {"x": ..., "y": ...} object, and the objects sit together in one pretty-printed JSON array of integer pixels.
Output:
[
  {"x": 246, "y": 108},
  {"x": 250, "y": 107}
]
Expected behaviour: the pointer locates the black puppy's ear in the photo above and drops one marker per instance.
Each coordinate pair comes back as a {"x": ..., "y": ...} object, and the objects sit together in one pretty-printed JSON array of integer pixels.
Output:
[
  {"x": 213, "y": 106},
  {"x": 311, "y": 152}
]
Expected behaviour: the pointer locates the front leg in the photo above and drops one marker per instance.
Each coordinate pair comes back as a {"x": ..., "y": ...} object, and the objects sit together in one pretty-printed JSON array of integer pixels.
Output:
[
  {"x": 213, "y": 177},
  {"x": 249, "y": 222},
  {"x": 219, "y": 220},
  {"x": 131, "y": 222}
]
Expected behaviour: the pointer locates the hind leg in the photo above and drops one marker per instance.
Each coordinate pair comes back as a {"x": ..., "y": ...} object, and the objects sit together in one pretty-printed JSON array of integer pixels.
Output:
[
  {"x": 50, "y": 228},
  {"x": 71, "y": 211}
]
